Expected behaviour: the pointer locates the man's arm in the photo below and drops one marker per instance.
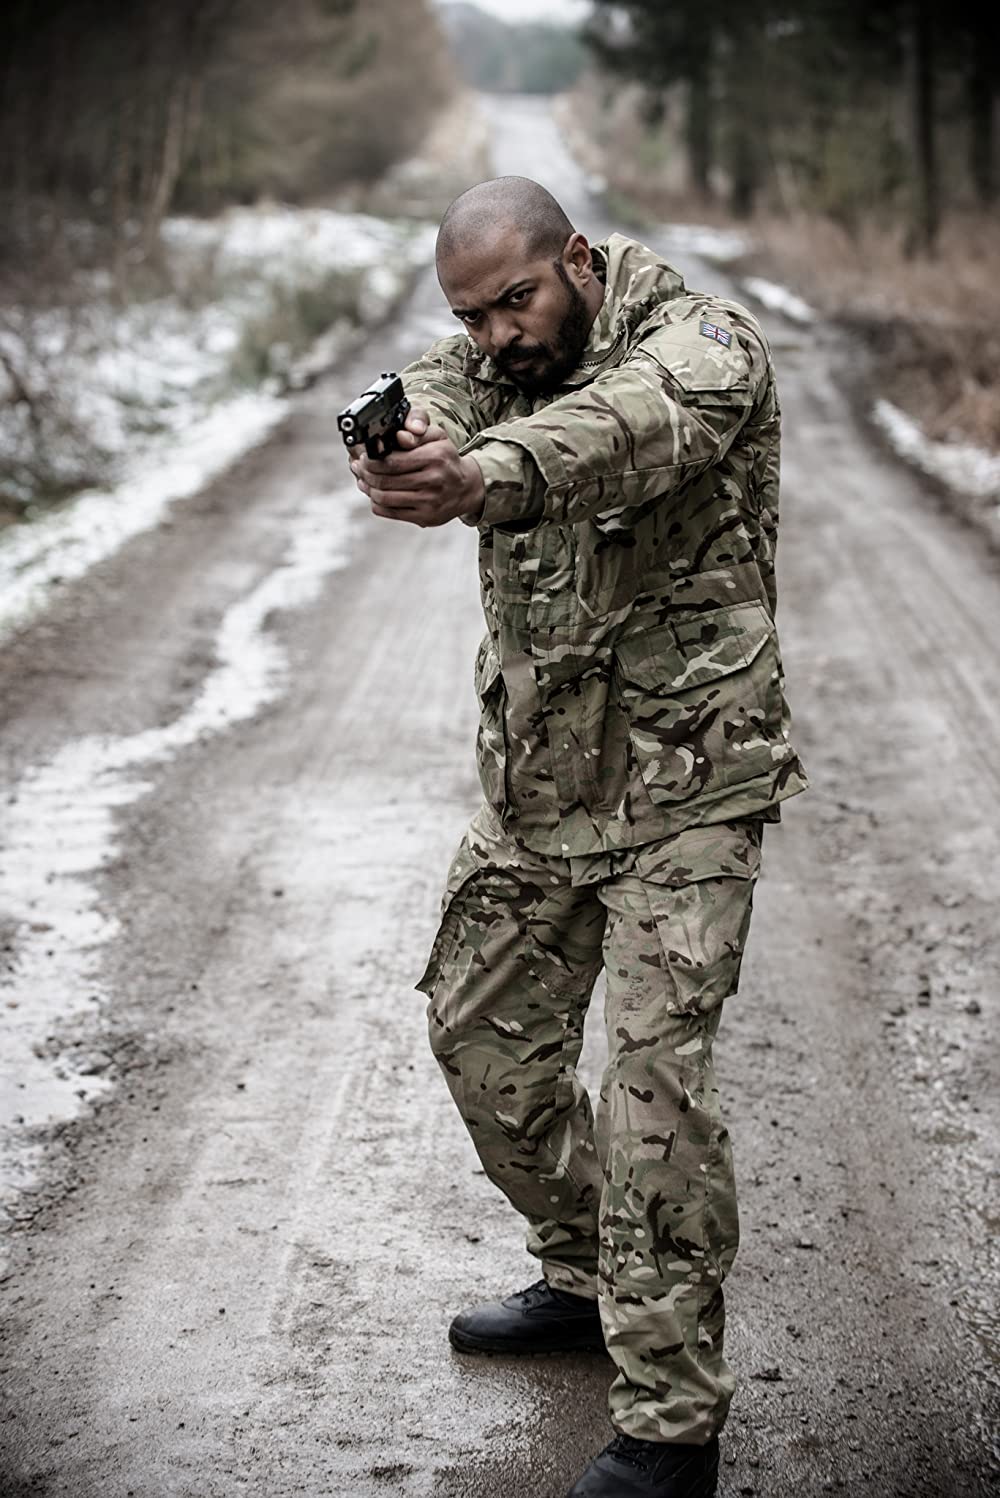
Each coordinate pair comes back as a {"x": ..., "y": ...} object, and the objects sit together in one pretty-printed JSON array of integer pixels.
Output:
[
  {"x": 427, "y": 482},
  {"x": 645, "y": 428},
  {"x": 439, "y": 386},
  {"x": 669, "y": 411}
]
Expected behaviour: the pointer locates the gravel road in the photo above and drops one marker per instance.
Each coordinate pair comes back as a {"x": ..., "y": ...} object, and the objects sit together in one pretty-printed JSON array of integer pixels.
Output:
[{"x": 239, "y": 756}]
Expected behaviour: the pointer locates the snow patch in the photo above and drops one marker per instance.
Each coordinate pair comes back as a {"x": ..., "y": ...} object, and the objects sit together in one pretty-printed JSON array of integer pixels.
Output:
[
  {"x": 60, "y": 830},
  {"x": 63, "y": 544},
  {"x": 151, "y": 385},
  {"x": 960, "y": 465},
  {"x": 701, "y": 239},
  {"x": 777, "y": 298}
]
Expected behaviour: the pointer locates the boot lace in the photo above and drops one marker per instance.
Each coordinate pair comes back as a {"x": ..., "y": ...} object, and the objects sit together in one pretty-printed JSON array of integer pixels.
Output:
[
  {"x": 538, "y": 1291},
  {"x": 628, "y": 1449}
]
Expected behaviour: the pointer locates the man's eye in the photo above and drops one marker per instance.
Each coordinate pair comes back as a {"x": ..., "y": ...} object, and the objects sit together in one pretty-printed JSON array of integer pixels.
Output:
[
  {"x": 517, "y": 297},
  {"x": 470, "y": 319}
]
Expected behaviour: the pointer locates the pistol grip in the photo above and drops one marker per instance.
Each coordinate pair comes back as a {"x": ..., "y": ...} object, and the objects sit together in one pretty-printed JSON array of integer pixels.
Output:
[{"x": 377, "y": 447}]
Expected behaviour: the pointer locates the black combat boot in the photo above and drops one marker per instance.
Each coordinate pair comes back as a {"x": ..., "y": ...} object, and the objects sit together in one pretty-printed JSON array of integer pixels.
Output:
[
  {"x": 535, "y": 1320},
  {"x": 629, "y": 1468}
]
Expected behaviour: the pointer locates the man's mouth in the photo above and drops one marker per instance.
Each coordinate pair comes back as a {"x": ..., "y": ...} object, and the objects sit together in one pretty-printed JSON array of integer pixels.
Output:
[{"x": 520, "y": 363}]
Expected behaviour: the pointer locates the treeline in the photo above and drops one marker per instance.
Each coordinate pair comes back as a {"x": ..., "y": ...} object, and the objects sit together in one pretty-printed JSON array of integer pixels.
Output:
[
  {"x": 524, "y": 57},
  {"x": 113, "y": 112},
  {"x": 838, "y": 106}
]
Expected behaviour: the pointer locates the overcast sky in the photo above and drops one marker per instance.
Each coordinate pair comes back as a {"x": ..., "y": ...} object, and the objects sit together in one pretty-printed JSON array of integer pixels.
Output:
[{"x": 536, "y": 10}]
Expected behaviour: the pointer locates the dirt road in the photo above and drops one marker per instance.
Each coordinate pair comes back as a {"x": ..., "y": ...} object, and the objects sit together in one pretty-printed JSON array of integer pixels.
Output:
[{"x": 240, "y": 755}]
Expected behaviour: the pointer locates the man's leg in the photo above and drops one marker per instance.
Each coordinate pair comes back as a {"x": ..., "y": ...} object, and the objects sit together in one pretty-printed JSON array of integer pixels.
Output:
[
  {"x": 509, "y": 981},
  {"x": 669, "y": 1222}
]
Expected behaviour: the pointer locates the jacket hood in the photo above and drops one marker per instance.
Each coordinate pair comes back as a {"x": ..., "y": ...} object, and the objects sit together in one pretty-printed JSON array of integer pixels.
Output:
[{"x": 636, "y": 281}]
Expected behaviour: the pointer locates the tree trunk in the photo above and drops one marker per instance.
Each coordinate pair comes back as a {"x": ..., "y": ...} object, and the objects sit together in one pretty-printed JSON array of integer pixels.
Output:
[
  {"x": 121, "y": 191},
  {"x": 175, "y": 131},
  {"x": 982, "y": 97},
  {"x": 743, "y": 175},
  {"x": 927, "y": 210},
  {"x": 746, "y": 111},
  {"x": 698, "y": 125}
]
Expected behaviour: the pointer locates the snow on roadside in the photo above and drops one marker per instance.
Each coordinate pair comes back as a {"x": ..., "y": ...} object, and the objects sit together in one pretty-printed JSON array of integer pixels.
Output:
[
  {"x": 154, "y": 382},
  {"x": 65, "y": 543},
  {"x": 719, "y": 245},
  {"x": 60, "y": 829},
  {"x": 962, "y": 466},
  {"x": 252, "y": 252},
  {"x": 777, "y": 298}
]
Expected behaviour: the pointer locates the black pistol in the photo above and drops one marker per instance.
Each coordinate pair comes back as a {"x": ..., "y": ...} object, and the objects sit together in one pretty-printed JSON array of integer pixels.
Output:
[{"x": 376, "y": 416}]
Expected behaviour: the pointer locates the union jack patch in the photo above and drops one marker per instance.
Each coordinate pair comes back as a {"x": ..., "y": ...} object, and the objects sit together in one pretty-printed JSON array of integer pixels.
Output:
[{"x": 712, "y": 330}]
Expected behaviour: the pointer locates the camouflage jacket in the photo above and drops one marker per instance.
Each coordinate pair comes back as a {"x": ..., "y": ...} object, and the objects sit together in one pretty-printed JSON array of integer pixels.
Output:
[{"x": 630, "y": 681}]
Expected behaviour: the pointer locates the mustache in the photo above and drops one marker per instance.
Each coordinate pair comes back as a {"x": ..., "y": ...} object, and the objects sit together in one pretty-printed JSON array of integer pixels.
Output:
[{"x": 521, "y": 351}]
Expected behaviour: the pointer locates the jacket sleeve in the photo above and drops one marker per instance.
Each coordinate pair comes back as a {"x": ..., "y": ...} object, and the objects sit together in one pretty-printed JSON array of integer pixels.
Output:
[
  {"x": 644, "y": 428},
  {"x": 439, "y": 384}
]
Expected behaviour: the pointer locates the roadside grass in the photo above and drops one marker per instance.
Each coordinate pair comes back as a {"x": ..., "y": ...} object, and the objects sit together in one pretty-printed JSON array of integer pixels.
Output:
[
  {"x": 257, "y": 299},
  {"x": 932, "y": 324},
  {"x": 273, "y": 339},
  {"x": 254, "y": 299}
]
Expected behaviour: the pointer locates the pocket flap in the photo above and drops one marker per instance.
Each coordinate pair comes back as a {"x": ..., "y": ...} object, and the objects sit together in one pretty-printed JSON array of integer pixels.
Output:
[
  {"x": 487, "y": 667},
  {"x": 695, "y": 649},
  {"x": 725, "y": 850}
]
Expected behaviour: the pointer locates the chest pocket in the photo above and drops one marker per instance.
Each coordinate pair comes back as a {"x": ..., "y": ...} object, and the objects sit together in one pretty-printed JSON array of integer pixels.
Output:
[{"x": 702, "y": 697}]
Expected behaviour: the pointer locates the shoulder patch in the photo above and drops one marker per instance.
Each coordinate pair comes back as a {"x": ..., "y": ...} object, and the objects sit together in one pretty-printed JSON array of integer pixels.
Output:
[{"x": 713, "y": 331}]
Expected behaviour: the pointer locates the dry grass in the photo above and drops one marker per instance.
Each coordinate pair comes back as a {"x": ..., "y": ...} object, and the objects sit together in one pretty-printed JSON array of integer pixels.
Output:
[{"x": 934, "y": 323}]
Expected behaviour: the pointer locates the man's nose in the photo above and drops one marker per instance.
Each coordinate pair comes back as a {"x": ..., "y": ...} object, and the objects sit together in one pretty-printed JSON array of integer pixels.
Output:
[{"x": 504, "y": 332}]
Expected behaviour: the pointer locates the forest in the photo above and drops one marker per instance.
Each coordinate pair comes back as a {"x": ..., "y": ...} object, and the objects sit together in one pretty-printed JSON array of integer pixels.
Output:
[
  {"x": 113, "y": 112},
  {"x": 504, "y": 56},
  {"x": 838, "y": 106}
]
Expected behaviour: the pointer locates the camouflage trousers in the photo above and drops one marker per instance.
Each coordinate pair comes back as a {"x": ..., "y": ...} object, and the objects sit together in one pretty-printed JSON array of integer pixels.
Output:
[{"x": 636, "y": 1206}]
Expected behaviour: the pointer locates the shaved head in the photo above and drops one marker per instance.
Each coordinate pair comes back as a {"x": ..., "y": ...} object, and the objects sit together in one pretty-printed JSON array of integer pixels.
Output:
[
  {"x": 520, "y": 279},
  {"x": 496, "y": 207}
]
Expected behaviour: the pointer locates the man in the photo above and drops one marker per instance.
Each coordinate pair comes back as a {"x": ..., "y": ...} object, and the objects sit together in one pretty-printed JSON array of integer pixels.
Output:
[{"x": 615, "y": 439}]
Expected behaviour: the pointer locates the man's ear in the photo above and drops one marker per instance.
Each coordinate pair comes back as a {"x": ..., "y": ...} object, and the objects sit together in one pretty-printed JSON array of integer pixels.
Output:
[{"x": 577, "y": 260}]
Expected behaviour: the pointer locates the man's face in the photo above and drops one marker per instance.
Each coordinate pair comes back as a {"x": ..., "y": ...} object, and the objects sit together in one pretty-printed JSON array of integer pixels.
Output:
[{"x": 525, "y": 313}]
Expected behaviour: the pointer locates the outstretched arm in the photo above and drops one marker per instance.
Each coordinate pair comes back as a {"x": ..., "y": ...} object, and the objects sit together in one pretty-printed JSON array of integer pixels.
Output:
[{"x": 646, "y": 427}]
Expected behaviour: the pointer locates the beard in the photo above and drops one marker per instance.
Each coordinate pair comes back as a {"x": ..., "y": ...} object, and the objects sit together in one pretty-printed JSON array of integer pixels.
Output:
[{"x": 552, "y": 361}]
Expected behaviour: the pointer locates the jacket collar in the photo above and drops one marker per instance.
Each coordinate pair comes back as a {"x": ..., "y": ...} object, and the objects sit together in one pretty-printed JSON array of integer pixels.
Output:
[{"x": 636, "y": 280}]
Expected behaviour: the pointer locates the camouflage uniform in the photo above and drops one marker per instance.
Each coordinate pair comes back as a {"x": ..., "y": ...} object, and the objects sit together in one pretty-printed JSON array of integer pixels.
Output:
[{"x": 633, "y": 740}]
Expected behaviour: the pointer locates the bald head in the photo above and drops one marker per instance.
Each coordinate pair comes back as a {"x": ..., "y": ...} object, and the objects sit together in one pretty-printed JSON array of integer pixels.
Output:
[
  {"x": 495, "y": 208},
  {"x": 520, "y": 279}
]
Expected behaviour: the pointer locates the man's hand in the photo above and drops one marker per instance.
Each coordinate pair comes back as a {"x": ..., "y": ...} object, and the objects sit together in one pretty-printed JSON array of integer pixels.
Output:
[{"x": 426, "y": 482}]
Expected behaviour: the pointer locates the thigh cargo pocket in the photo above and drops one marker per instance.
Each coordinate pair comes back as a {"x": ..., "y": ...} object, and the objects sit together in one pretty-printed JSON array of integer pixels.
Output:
[
  {"x": 699, "y": 885},
  {"x": 703, "y": 699},
  {"x": 463, "y": 867},
  {"x": 491, "y": 738}
]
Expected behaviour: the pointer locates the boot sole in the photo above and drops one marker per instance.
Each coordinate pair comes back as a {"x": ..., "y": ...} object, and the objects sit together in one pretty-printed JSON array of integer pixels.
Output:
[{"x": 497, "y": 1346}]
